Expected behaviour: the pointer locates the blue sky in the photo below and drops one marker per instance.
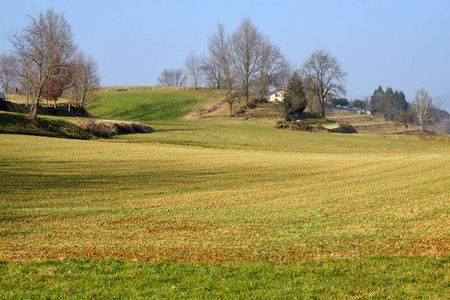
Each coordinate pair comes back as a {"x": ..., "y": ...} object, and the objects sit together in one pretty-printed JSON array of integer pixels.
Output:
[{"x": 402, "y": 44}]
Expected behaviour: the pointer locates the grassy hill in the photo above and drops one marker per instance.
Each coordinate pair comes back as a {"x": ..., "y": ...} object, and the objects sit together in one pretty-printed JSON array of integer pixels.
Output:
[{"x": 150, "y": 104}]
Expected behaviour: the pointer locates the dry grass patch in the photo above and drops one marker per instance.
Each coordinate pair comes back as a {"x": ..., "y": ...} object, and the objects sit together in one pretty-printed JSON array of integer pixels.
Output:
[{"x": 108, "y": 128}]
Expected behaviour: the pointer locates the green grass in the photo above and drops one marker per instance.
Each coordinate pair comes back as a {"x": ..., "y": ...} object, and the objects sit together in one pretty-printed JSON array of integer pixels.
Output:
[
  {"x": 368, "y": 278},
  {"x": 151, "y": 104},
  {"x": 261, "y": 135}
]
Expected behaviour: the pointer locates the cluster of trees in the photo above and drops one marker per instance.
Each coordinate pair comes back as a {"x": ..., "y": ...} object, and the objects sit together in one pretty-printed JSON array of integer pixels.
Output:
[
  {"x": 359, "y": 104},
  {"x": 45, "y": 63},
  {"x": 246, "y": 63},
  {"x": 237, "y": 64},
  {"x": 392, "y": 105},
  {"x": 427, "y": 112},
  {"x": 173, "y": 77},
  {"x": 339, "y": 102},
  {"x": 388, "y": 103}
]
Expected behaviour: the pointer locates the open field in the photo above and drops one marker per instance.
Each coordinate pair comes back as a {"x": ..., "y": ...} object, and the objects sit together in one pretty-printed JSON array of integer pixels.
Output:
[
  {"x": 151, "y": 202},
  {"x": 223, "y": 208}
]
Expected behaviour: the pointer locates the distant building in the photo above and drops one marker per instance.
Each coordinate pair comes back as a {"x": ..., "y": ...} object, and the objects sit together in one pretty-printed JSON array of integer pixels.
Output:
[
  {"x": 2, "y": 96},
  {"x": 277, "y": 96}
]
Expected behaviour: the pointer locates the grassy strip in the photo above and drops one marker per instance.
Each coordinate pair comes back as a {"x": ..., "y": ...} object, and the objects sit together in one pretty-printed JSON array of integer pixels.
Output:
[
  {"x": 377, "y": 277},
  {"x": 20, "y": 124},
  {"x": 261, "y": 135}
]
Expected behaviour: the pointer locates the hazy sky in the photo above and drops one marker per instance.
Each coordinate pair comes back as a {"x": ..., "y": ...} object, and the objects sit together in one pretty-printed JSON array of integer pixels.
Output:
[{"x": 402, "y": 44}]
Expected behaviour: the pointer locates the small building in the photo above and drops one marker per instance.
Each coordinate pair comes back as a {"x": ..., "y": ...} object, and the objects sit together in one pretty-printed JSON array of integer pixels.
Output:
[
  {"x": 277, "y": 96},
  {"x": 2, "y": 96}
]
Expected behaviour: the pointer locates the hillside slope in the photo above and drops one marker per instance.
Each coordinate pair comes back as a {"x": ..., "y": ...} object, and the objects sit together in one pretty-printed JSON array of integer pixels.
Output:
[
  {"x": 17, "y": 123},
  {"x": 150, "y": 104}
]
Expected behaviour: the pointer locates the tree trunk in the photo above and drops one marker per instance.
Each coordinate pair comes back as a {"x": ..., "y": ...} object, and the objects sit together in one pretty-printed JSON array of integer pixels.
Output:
[
  {"x": 33, "y": 112},
  {"x": 322, "y": 107},
  {"x": 35, "y": 105}
]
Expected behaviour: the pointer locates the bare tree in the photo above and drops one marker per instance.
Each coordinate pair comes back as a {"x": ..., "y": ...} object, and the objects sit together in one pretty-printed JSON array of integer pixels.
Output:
[
  {"x": 8, "y": 71},
  {"x": 285, "y": 72},
  {"x": 246, "y": 46},
  {"x": 211, "y": 72},
  {"x": 323, "y": 76},
  {"x": 221, "y": 66},
  {"x": 43, "y": 45},
  {"x": 60, "y": 79},
  {"x": 422, "y": 106},
  {"x": 271, "y": 63},
  {"x": 192, "y": 70},
  {"x": 172, "y": 77},
  {"x": 85, "y": 77},
  {"x": 27, "y": 80}
]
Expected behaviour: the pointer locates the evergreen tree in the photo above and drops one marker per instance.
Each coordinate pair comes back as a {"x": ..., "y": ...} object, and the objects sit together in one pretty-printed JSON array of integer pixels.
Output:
[
  {"x": 376, "y": 98},
  {"x": 378, "y": 90},
  {"x": 389, "y": 91},
  {"x": 295, "y": 100},
  {"x": 399, "y": 101}
]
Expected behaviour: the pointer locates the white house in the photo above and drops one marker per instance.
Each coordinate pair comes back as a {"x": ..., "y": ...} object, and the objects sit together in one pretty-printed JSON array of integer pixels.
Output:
[{"x": 277, "y": 96}]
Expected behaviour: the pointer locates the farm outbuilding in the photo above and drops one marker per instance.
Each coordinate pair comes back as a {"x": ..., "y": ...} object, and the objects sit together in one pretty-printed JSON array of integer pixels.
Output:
[{"x": 2, "y": 96}]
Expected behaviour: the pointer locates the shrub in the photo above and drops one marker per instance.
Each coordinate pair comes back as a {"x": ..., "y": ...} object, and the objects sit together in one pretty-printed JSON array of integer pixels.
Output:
[
  {"x": 281, "y": 124},
  {"x": 108, "y": 128},
  {"x": 99, "y": 129},
  {"x": 299, "y": 125}
]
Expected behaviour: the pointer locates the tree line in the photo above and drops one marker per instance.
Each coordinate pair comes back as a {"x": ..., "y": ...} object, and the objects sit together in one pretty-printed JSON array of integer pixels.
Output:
[
  {"x": 45, "y": 63},
  {"x": 245, "y": 65},
  {"x": 423, "y": 111}
]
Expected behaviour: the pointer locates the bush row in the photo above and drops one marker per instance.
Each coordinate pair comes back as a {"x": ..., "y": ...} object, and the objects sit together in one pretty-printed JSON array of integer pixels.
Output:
[{"x": 300, "y": 126}]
